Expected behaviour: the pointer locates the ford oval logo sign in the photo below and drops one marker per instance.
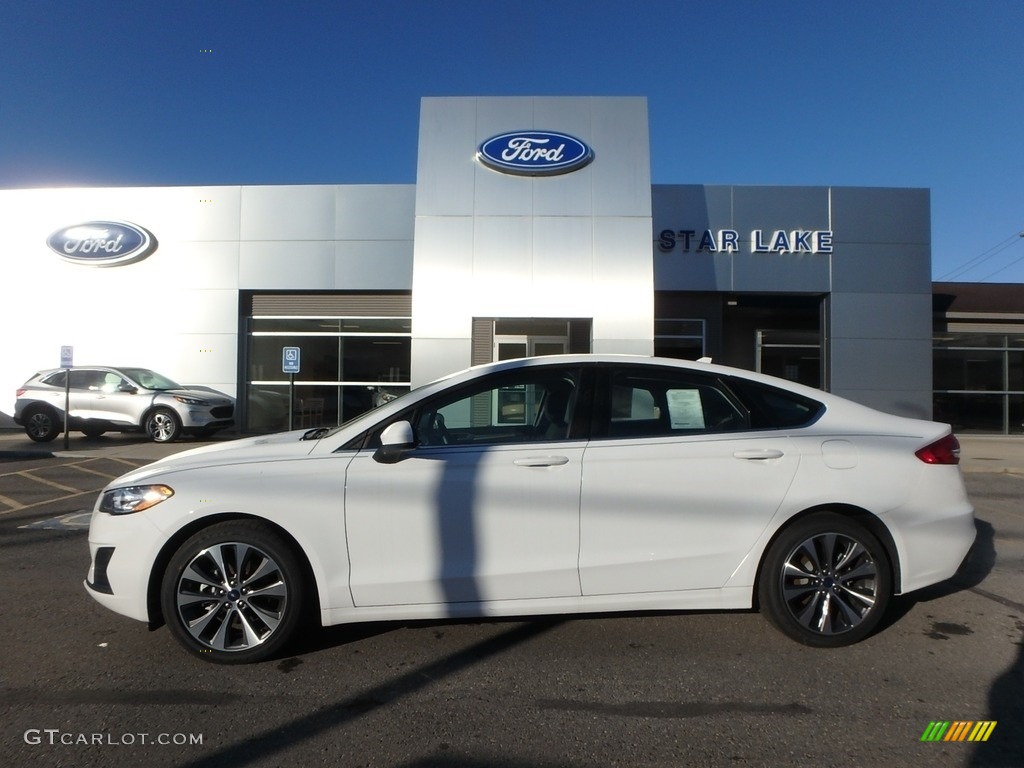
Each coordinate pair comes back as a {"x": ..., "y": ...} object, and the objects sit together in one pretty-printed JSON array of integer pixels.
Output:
[
  {"x": 534, "y": 153},
  {"x": 102, "y": 243}
]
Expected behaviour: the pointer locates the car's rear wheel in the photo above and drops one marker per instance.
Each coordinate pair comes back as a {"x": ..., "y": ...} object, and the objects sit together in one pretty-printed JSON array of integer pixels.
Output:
[
  {"x": 826, "y": 581},
  {"x": 42, "y": 424},
  {"x": 162, "y": 425},
  {"x": 233, "y": 593}
]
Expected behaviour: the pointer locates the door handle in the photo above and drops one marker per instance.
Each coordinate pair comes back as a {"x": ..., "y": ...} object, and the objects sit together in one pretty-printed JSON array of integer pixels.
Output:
[
  {"x": 542, "y": 461},
  {"x": 759, "y": 454}
]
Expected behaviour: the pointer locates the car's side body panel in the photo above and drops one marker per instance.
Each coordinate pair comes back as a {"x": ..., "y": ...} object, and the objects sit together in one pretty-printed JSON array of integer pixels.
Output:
[
  {"x": 454, "y": 524},
  {"x": 674, "y": 513}
]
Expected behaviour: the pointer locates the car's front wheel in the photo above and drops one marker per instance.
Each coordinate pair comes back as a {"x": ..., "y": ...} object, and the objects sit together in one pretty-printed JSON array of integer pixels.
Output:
[
  {"x": 162, "y": 425},
  {"x": 42, "y": 424},
  {"x": 826, "y": 581},
  {"x": 233, "y": 593}
]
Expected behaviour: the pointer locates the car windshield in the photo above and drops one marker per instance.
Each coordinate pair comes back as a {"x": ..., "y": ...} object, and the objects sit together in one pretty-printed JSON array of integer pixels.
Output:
[{"x": 149, "y": 379}]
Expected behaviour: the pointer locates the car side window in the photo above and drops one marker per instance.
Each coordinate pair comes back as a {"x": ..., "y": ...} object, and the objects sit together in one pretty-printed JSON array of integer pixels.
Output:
[
  {"x": 773, "y": 408},
  {"x": 91, "y": 381},
  {"x": 662, "y": 403},
  {"x": 525, "y": 406}
]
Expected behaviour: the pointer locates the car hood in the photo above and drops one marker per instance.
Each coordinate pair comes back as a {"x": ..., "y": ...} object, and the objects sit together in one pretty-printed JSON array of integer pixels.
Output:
[{"x": 276, "y": 447}]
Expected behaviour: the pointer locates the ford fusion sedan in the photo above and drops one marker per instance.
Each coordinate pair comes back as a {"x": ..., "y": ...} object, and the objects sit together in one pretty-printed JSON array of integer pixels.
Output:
[
  {"x": 102, "y": 399},
  {"x": 553, "y": 485}
]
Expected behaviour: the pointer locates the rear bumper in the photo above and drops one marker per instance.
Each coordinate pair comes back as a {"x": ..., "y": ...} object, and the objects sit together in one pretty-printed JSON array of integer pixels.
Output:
[{"x": 935, "y": 530}]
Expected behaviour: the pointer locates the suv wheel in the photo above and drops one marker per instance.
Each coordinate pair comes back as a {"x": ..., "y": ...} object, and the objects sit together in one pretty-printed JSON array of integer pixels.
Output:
[
  {"x": 42, "y": 424},
  {"x": 162, "y": 425}
]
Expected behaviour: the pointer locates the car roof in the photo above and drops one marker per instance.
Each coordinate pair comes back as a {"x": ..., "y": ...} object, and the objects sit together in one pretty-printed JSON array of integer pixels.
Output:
[{"x": 700, "y": 366}]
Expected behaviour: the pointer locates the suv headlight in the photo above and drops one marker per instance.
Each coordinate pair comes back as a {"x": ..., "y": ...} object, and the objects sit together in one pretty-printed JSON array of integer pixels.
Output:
[
  {"x": 133, "y": 498},
  {"x": 189, "y": 400}
]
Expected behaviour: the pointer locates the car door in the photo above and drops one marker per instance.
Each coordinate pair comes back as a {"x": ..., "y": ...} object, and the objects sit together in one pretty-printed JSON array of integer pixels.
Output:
[
  {"x": 485, "y": 506},
  {"x": 98, "y": 394},
  {"x": 676, "y": 485},
  {"x": 85, "y": 393}
]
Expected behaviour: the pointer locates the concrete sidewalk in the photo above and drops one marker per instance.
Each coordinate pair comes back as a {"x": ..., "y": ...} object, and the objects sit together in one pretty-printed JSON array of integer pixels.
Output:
[{"x": 978, "y": 454}]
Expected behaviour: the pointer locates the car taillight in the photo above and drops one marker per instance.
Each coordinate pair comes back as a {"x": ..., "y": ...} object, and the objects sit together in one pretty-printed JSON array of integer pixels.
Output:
[
  {"x": 944, "y": 451},
  {"x": 21, "y": 391}
]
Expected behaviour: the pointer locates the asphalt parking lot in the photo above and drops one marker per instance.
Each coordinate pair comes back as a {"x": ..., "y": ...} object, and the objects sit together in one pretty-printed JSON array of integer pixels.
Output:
[{"x": 83, "y": 686}]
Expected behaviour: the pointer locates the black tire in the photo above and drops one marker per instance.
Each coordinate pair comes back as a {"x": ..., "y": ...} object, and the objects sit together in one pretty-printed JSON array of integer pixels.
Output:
[
  {"x": 42, "y": 424},
  {"x": 826, "y": 581},
  {"x": 93, "y": 431},
  {"x": 162, "y": 425},
  {"x": 216, "y": 614}
]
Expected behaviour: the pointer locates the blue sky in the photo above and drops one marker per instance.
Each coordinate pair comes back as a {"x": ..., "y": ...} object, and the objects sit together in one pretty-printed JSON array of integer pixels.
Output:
[{"x": 194, "y": 92}]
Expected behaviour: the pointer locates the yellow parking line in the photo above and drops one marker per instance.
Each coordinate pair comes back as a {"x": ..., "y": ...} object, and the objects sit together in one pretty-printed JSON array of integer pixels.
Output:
[
  {"x": 96, "y": 472},
  {"x": 11, "y": 503},
  {"x": 51, "y": 501},
  {"x": 128, "y": 462},
  {"x": 58, "y": 486}
]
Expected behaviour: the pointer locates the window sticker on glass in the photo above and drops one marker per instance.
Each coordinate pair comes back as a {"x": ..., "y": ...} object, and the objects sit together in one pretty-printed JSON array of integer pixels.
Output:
[{"x": 684, "y": 409}]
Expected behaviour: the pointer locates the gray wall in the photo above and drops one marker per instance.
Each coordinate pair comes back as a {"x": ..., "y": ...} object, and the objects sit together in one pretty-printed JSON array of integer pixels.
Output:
[
  {"x": 490, "y": 244},
  {"x": 877, "y": 339}
]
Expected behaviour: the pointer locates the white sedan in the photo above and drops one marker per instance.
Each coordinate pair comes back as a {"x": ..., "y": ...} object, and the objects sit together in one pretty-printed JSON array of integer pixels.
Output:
[{"x": 554, "y": 485}]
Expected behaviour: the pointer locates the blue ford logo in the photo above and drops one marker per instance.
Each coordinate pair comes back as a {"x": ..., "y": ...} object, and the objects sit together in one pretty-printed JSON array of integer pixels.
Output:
[
  {"x": 102, "y": 243},
  {"x": 534, "y": 153}
]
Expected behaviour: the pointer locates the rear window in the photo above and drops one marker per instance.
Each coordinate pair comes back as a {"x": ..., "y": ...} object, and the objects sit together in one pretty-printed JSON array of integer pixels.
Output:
[
  {"x": 774, "y": 408},
  {"x": 56, "y": 379}
]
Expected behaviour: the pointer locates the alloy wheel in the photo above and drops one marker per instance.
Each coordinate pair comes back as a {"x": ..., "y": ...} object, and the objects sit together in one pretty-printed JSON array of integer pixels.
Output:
[
  {"x": 232, "y": 596},
  {"x": 829, "y": 583}
]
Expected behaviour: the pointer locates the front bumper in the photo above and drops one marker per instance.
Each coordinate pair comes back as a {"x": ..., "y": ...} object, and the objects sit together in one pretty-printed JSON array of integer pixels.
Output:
[{"x": 123, "y": 549}]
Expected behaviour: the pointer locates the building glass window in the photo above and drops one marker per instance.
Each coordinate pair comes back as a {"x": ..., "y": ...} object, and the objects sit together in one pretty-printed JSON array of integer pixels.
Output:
[
  {"x": 679, "y": 338},
  {"x": 791, "y": 355},
  {"x": 979, "y": 381},
  {"x": 348, "y": 366}
]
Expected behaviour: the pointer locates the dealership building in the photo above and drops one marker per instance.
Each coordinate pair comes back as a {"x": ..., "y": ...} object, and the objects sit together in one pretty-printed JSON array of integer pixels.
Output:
[{"x": 532, "y": 228}]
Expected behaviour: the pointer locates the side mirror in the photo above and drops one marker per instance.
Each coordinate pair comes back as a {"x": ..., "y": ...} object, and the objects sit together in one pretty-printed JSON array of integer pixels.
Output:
[
  {"x": 128, "y": 388},
  {"x": 394, "y": 441}
]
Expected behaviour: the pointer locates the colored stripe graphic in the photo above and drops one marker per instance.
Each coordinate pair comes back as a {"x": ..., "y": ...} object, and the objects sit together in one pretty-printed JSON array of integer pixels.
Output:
[
  {"x": 982, "y": 730},
  {"x": 958, "y": 730}
]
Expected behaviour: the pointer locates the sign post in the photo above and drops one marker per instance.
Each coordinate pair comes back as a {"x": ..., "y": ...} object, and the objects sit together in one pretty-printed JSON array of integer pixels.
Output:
[
  {"x": 67, "y": 358},
  {"x": 291, "y": 363}
]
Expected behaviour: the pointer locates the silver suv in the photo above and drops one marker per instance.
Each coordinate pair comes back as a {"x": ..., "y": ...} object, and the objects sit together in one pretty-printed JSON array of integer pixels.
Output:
[{"x": 119, "y": 399}]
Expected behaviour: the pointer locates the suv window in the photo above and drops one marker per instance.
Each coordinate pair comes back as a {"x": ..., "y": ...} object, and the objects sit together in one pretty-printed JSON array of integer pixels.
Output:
[
  {"x": 88, "y": 380},
  {"x": 57, "y": 379}
]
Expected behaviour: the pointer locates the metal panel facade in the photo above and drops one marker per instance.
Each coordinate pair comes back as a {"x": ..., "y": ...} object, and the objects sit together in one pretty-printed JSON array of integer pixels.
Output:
[
  {"x": 497, "y": 244},
  {"x": 470, "y": 242}
]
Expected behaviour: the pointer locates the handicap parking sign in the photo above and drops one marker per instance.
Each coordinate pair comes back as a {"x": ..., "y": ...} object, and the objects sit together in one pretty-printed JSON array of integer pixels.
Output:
[{"x": 290, "y": 358}]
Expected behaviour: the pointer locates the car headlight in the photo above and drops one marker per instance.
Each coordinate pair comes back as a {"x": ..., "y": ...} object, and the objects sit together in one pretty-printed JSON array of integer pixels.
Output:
[
  {"x": 189, "y": 400},
  {"x": 133, "y": 498}
]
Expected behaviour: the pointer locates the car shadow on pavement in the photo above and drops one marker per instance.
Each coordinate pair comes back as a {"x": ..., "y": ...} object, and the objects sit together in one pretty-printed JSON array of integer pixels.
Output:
[
  {"x": 272, "y": 743},
  {"x": 314, "y": 638}
]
